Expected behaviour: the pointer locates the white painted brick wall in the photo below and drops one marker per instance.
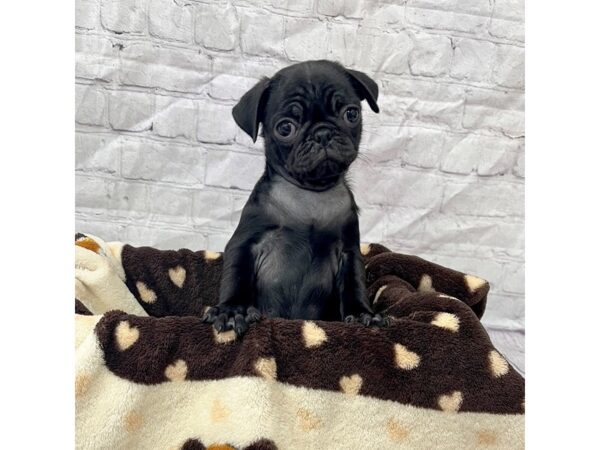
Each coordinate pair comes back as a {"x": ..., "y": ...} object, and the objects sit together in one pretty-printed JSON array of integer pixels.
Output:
[{"x": 161, "y": 162}]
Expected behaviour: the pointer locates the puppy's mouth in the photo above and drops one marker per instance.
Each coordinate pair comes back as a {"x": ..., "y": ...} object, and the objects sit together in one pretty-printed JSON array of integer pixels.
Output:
[
  {"x": 325, "y": 173},
  {"x": 312, "y": 161}
]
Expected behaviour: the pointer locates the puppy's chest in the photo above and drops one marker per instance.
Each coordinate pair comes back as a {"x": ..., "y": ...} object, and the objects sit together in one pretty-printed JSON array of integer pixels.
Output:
[
  {"x": 305, "y": 210},
  {"x": 296, "y": 272},
  {"x": 297, "y": 262},
  {"x": 307, "y": 233}
]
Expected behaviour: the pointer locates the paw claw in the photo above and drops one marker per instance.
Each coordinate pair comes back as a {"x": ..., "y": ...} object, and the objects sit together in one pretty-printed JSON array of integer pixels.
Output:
[
  {"x": 240, "y": 325},
  {"x": 377, "y": 320},
  {"x": 237, "y": 318},
  {"x": 252, "y": 315},
  {"x": 210, "y": 315},
  {"x": 367, "y": 319}
]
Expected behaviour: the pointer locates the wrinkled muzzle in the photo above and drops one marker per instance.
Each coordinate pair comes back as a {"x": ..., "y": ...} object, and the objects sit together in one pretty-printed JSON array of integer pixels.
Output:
[{"x": 320, "y": 156}]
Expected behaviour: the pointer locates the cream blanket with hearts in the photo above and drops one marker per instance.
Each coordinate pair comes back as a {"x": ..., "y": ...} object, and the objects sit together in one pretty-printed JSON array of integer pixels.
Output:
[{"x": 150, "y": 375}]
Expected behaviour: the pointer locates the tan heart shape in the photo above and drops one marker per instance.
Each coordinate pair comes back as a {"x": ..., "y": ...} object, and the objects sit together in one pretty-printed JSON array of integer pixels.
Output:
[
  {"x": 473, "y": 283},
  {"x": 146, "y": 294},
  {"x": 177, "y": 371},
  {"x": 126, "y": 335},
  {"x": 351, "y": 385},
  {"x": 487, "y": 437},
  {"x": 313, "y": 334},
  {"x": 447, "y": 321},
  {"x": 395, "y": 431},
  {"x": 210, "y": 255},
  {"x": 405, "y": 359},
  {"x": 308, "y": 420},
  {"x": 219, "y": 412},
  {"x": 452, "y": 402},
  {"x": 177, "y": 276},
  {"x": 498, "y": 364},
  {"x": 133, "y": 421},
  {"x": 426, "y": 284},
  {"x": 82, "y": 383},
  {"x": 224, "y": 337},
  {"x": 266, "y": 368}
]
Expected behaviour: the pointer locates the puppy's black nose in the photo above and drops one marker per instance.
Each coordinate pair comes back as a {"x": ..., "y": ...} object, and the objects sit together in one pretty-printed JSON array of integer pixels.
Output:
[{"x": 322, "y": 135}]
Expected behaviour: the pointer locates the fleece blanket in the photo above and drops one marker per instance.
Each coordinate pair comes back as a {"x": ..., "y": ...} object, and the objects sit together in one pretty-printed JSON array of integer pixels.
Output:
[{"x": 151, "y": 375}]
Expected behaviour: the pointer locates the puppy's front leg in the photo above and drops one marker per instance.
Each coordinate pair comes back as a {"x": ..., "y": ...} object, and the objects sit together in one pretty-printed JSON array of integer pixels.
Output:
[
  {"x": 235, "y": 309},
  {"x": 354, "y": 303}
]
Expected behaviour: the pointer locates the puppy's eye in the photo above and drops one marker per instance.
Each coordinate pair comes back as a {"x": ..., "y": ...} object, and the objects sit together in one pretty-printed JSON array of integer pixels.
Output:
[
  {"x": 352, "y": 115},
  {"x": 285, "y": 129}
]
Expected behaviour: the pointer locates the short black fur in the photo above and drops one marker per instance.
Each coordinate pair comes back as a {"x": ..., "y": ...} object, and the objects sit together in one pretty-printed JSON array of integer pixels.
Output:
[{"x": 296, "y": 251}]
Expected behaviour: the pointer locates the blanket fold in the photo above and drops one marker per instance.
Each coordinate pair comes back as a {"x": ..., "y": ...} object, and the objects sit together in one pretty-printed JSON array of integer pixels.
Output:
[{"x": 151, "y": 375}]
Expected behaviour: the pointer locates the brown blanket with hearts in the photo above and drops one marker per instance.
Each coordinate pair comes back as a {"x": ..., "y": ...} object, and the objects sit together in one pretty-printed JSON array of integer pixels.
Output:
[{"x": 150, "y": 375}]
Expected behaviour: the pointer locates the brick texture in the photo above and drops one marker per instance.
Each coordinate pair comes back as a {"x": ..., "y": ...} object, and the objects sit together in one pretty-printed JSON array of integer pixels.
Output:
[{"x": 160, "y": 161}]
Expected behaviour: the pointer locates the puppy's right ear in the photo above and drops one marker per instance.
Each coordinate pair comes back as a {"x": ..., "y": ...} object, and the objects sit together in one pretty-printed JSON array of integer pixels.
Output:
[{"x": 248, "y": 113}]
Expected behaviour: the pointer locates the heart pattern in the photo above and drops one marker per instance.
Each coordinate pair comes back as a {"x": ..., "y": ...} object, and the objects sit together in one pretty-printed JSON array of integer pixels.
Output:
[
  {"x": 224, "y": 337},
  {"x": 146, "y": 294},
  {"x": 473, "y": 283},
  {"x": 351, "y": 385},
  {"x": 498, "y": 364},
  {"x": 308, "y": 420},
  {"x": 395, "y": 431},
  {"x": 133, "y": 421},
  {"x": 177, "y": 371},
  {"x": 177, "y": 276},
  {"x": 210, "y": 255},
  {"x": 266, "y": 368},
  {"x": 405, "y": 359},
  {"x": 426, "y": 284},
  {"x": 219, "y": 412},
  {"x": 314, "y": 335},
  {"x": 82, "y": 383},
  {"x": 126, "y": 335},
  {"x": 452, "y": 402},
  {"x": 447, "y": 321}
]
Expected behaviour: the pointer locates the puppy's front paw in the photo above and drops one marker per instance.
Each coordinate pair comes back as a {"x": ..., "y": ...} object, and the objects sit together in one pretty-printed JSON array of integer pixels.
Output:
[
  {"x": 238, "y": 318},
  {"x": 369, "y": 320}
]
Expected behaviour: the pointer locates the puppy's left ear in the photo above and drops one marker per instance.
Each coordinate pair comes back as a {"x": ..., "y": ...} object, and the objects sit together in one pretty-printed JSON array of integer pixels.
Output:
[
  {"x": 365, "y": 87},
  {"x": 248, "y": 112}
]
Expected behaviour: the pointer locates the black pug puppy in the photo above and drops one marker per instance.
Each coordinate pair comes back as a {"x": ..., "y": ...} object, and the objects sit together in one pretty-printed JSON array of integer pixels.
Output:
[{"x": 296, "y": 251}]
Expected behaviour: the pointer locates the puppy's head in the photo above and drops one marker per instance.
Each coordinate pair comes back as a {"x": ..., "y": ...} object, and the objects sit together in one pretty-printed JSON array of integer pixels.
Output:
[{"x": 312, "y": 120}]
